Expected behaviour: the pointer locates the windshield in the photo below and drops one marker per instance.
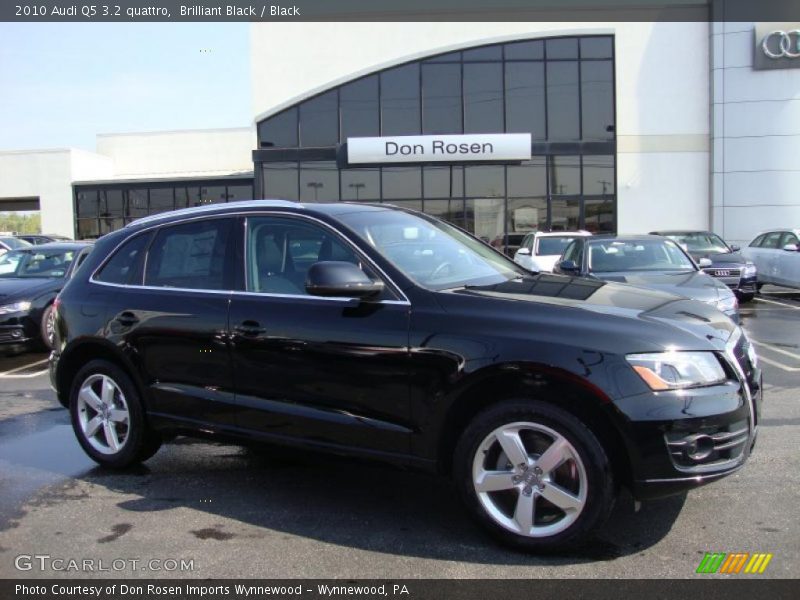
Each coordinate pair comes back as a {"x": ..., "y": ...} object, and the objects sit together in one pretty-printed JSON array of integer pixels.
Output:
[
  {"x": 13, "y": 243},
  {"x": 701, "y": 242},
  {"x": 36, "y": 263},
  {"x": 433, "y": 253},
  {"x": 552, "y": 246},
  {"x": 616, "y": 255}
]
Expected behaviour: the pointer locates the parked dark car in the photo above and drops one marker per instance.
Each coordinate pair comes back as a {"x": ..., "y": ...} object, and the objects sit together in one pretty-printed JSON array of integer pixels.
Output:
[
  {"x": 726, "y": 263},
  {"x": 377, "y": 331},
  {"x": 649, "y": 261},
  {"x": 30, "y": 279},
  {"x": 38, "y": 238},
  {"x": 10, "y": 242}
]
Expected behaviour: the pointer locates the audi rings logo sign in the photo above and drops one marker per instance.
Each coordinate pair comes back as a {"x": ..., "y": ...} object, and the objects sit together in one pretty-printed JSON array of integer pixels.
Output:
[
  {"x": 782, "y": 44},
  {"x": 777, "y": 46}
]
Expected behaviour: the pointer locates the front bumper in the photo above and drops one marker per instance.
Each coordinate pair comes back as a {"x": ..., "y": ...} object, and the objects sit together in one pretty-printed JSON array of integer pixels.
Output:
[{"x": 17, "y": 331}]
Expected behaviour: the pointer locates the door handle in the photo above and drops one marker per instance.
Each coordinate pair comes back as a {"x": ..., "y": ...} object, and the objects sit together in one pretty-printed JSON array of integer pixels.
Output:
[
  {"x": 249, "y": 328},
  {"x": 127, "y": 319}
]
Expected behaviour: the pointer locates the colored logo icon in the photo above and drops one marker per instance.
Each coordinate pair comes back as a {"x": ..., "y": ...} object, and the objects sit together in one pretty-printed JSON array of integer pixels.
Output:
[{"x": 734, "y": 562}]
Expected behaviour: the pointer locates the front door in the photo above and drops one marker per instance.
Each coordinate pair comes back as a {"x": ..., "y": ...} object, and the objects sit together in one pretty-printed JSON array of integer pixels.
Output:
[{"x": 330, "y": 370}]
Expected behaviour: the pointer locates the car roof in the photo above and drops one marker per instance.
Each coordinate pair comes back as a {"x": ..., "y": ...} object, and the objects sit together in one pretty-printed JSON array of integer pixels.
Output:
[
  {"x": 680, "y": 231},
  {"x": 626, "y": 238},
  {"x": 579, "y": 233}
]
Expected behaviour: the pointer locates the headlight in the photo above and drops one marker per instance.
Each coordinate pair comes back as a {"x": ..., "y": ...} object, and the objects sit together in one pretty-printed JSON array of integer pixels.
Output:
[
  {"x": 677, "y": 370},
  {"x": 726, "y": 304},
  {"x": 7, "y": 309},
  {"x": 749, "y": 270}
]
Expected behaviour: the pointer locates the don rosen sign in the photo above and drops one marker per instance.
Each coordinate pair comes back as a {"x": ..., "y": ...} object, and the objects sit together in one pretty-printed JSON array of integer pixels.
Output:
[{"x": 439, "y": 148}]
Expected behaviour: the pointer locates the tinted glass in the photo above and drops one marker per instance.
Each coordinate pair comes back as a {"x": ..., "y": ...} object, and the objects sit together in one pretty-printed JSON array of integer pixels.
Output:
[
  {"x": 402, "y": 183},
  {"x": 441, "y": 98},
  {"x": 527, "y": 214},
  {"x": 359, "y": 108},
  {"x": 596, "y": 47},
  {"x": 319, "y": 121},
  {"x": 187, "y": 196},
  {"x": 213, "y": 194},
  {"x": 563, "y": 118},
  {"x": 87, "y": 203},
  {"x": 597, "y": 106},
  {"x": 190, "y": 256},
  {"x": 109, "y": 224},
  {"x": 450, "y": 210},
  {"x": 400, "y": 101},
  {"x": 485, "y": 220},
  {"x": 525, "y": 50},
  {"x": 279, "y": 131},
  {"x": 319, "y": 181},
  {"x": 240, "y": 192},
  {"x": 87, "y": 228},
  {"x": 527, "y": 179},
  {"x": 124, "y": 261},
  {"x": 637, "y": 255},
  {"x": 486, "y": 181},
  {"x": 598, "y": 176},
  {"x": 280, "y": 181},
  {"x": 112, "y": 203},
  {"x": 525, "y": 99},
  {"x": 484, "y": 53},
  {"x": 361, "y": 184},
  {"x": 483, "y": 98},
  {"x": 562, "y": 48},
  {"x": 137, "y": 203},
  {"x": 565, "y": 175},
  {"x": 443, "y": 182},
  {"x": 599, "y": 216},
  {"x": 565, "y": 214},
  {"x": 161, "y": 200}
]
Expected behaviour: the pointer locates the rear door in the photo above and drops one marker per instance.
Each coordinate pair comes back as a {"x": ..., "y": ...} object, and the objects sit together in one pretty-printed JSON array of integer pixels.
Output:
[
  {"x": 787, "y": 264},
  {"x": 768, "y": 257}
]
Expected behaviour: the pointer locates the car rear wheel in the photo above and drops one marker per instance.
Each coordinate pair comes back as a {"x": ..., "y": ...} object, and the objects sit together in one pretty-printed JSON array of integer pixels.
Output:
[
  {"x": 745, "y": 297},
  {"x": 533, "y": 475},
  {"x": 108, "y": 417}
]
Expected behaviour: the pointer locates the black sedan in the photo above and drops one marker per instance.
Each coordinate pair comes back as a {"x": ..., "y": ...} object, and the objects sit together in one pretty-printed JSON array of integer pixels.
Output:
[
  {"x": 726, "y": 263},
  {"x": 647, "y": 261},
  {"x": 30, "y": 279},
  {"x": 40, "y": 238}
]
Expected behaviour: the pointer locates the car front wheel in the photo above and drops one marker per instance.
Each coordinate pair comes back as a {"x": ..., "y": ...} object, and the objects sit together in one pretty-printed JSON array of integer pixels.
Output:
[
  {"x": 534, "y": 475},
  {"x": 108, "y": 417},
  {"x": 48, "y": 327}
]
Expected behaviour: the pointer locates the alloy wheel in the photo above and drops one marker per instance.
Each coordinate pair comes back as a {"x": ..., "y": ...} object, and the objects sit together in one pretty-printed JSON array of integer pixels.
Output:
[{"x": 103, "y": 414}]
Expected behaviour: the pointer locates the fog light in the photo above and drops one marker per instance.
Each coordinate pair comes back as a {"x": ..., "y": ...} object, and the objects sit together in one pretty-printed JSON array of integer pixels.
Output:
[
  {"x": 16, "y": 334},
  {"x": 698, "y": 447}
]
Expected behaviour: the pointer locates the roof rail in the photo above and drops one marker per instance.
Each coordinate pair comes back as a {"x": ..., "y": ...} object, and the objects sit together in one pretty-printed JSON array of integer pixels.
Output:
[{"x": 218, "y": 206}]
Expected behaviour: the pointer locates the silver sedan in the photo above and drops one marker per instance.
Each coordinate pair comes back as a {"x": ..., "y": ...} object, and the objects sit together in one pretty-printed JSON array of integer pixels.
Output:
[{"x": 776, "y": 254}]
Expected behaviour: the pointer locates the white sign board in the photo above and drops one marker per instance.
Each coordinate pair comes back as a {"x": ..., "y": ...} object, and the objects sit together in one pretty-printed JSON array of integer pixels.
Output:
[{"x": 439, "y": 148}]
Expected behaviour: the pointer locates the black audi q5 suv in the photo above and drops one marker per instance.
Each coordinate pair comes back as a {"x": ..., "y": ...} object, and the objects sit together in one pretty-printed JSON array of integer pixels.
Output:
[{"x": 382, "y": 332}]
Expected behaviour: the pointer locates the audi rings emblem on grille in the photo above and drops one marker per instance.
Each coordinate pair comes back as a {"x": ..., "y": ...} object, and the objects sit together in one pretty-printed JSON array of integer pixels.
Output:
[{"x": 782, "y": 44}]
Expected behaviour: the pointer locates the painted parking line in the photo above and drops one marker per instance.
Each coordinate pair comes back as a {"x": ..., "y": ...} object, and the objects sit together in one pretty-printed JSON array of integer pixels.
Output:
[
  {"x": 10, "y": 372},
  {"x": 781, "y": 366},
  {"x": 794, "y": 306},
  {"x": 775, "y": 348}
]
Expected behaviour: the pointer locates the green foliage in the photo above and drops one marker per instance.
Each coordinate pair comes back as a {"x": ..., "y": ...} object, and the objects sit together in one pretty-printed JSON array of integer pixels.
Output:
[{"x": 20, "y": 222}]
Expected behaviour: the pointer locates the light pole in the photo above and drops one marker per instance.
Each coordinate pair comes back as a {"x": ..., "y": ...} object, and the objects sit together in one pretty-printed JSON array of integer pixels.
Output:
[
  {"x": 357, "y": 187},
  {"x": 316, "y": 185}
]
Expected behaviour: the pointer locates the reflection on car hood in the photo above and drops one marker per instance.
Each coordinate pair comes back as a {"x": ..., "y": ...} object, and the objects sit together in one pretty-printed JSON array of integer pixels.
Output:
[
  {"x": 25, "y": 288},
  {"x": 689, "y": 284}
]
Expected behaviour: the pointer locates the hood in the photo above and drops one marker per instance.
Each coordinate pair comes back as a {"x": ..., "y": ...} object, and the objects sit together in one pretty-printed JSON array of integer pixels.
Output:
[
  {"x": 27, "y": 288},
  {"x": 721, "y": 258},
  {"x": 601, "y": 316},
  {"x": 689, "y": 284}
]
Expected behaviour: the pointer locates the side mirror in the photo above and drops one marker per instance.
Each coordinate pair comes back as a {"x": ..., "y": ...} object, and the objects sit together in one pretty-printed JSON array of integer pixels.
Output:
[
  {"x": 792, "y": 247},
  {"x": 524, "y": 251},
  {"x": 340, "y": 279},
  {"x": 568, "y": 266},
  {"x": 735, "y": 248},
  {"x": 704, "y": 263}
]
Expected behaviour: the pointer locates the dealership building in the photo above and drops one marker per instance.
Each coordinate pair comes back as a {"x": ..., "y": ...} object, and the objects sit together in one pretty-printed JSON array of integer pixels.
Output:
[{"x": 498, "y": 127}]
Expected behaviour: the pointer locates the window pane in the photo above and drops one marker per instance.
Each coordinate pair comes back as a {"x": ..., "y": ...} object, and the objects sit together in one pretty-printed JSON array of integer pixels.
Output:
[
  {"x": 401, "y": 183},
  {"x": 597, "y": 89},
  {"x": 525, "y": 99},
  {"x": 137, "y": 203},
  {"x": 527, "y": 214},
  {"x": 596, "y": 47},
  {"x": 319, "y": 181},
  {"x": 485, "y": 181},
  {"x": 280, "y": 180},
  {"x": 87, "y": 203},
  {"x": 400, "y": 101},
  {"x": 109, "y": 224},
  {"x": 186, "y": 197},
  {"x": 562, "y": 48},
  {"x": 111, "y": 203},
  {"x": 361, "y": 184},
  {"x": 88, "y": 228},
  {"x": 527, "y": 179},
  {"x": 161, "y": 200},
  {"x": 483, "y": 98},
  {"x": 279, "y": 131},
  {"x": 441, "y": 98},
  {"x": 240, "y": 192},
  {"x": 119, "y": 268},
  {"x": 598, "y": 176},
  {"x": 565, "y": 214},
  {"x": 448, "y": 210},
  {"x": 485, "y": 220},
  {"x": 485, "y": 53},
  {"x": 562, "y": 100},
  {"x": 190, "y": 256},
  {"x": 599, "y": 216},
  {"x": 443, "y": 182},
  {"x": 212, "y": 194},
  {"x": 449, "y": 57},
  {"x": 565, "y": 175},
  {"x": 319, "y": 121},
  {"x": 525, "y": 50},
  {"x": 359, "y": 106}
]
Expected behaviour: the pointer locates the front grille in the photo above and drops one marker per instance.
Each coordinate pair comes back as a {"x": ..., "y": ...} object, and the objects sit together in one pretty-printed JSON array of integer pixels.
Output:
[
  {"x": 725, "y": 273},
  {"x": 708, "y": 449},
  {"x": 7, "y": 335}
]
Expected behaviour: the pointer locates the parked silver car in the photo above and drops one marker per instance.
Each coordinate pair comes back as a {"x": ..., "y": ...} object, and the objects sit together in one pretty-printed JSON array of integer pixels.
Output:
[{"x": 776, "y": 254}]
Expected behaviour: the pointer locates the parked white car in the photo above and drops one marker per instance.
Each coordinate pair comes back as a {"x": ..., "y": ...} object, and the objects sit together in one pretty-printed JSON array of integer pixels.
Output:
[
  {"x": 776, "y": 254},
  {"x": 539, "y": 250}
]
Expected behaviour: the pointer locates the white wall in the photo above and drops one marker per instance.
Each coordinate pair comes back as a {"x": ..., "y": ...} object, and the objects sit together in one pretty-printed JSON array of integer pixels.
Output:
[
  {"x": 756, "y": 137},
  {"x": 662, "y": 93}
]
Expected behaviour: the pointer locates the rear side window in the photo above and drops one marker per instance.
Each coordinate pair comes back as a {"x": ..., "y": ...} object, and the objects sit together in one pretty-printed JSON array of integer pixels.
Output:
[
  {"x": 124, "y": 262},
  {"x": 788, "y": 238},
  {"x": 191, "y": 256},
  {"x": 771, "y": 240}
]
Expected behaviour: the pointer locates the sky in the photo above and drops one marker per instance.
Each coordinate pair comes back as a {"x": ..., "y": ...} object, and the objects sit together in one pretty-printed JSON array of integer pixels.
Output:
[{"x": 61, "y": 84}]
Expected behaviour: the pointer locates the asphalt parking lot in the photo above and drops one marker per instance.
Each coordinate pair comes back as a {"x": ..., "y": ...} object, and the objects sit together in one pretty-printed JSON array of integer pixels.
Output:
[{"x": 228, "y": 511}]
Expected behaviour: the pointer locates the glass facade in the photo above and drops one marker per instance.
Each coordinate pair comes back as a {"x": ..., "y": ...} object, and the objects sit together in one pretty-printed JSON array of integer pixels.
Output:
[
  {"x": 103, "y": 207},
  {"x": 560, "y": 90}
]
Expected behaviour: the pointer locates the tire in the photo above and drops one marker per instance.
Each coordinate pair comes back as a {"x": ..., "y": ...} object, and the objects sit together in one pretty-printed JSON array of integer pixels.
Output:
[
  {"x": 46, "y": 326},
  {"x": 743, "y": 298},
  {"x": 585, "y": 474},
  {"x": 120, "y": 408}
]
